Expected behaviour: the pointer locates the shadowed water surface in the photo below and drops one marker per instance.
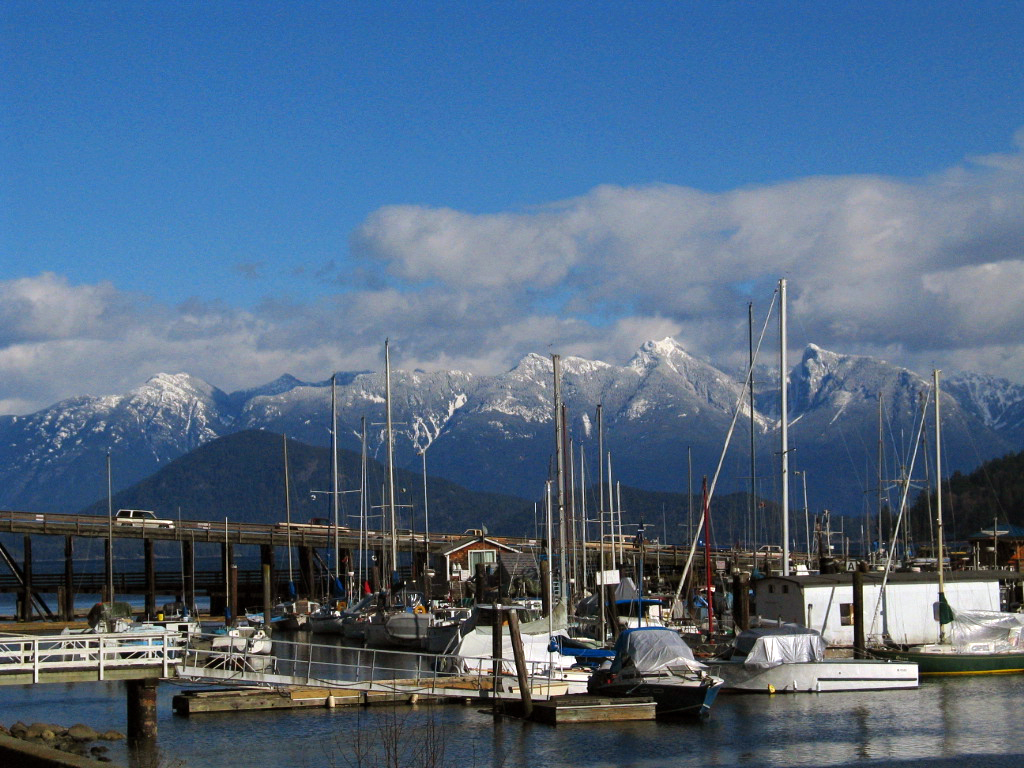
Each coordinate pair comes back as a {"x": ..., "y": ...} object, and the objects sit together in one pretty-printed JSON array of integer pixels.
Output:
[{"x": 943, "y": 723}]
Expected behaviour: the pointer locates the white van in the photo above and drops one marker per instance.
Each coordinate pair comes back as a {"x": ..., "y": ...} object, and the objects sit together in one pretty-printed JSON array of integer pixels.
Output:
[{"x": 141, "y": 518}]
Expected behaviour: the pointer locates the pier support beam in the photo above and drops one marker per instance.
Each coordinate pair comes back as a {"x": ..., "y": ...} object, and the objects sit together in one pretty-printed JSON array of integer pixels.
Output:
[
  {"x": 859, "y": 646},
  {"x": 188, "y": 567},
  {"x": 108, "y": 568},
  {"x": 741, "y": 601},
  {"x": 67, "y": 607},
  {"x": 26, "y": 597},
  {"x": 307, "y": 577},
  {"x": 142, "y": 708},
  {"x": 150, "y": 565}
]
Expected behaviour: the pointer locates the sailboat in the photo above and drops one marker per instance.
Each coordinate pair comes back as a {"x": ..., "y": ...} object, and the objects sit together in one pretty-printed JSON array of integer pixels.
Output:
[{"x": 978, "y": 642}]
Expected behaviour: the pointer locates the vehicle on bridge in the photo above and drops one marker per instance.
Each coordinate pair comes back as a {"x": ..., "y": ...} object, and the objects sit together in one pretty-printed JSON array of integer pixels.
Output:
[{"x": 141, "y": 518}]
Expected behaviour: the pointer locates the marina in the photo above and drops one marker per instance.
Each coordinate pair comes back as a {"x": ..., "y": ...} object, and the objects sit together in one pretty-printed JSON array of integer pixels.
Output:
[{"x": 943, "y": 723}]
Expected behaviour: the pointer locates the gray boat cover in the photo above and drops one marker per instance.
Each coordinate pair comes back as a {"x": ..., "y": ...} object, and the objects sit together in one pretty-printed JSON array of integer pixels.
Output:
[
  {"x": 767, "y": 647},
  {"x": 653, "y": 649},
  {"x": 987, "y": 632}
]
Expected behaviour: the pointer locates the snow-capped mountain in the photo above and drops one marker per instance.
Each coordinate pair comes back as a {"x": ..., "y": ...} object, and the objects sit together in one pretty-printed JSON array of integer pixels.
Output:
[{"x": 663, "y": 413}]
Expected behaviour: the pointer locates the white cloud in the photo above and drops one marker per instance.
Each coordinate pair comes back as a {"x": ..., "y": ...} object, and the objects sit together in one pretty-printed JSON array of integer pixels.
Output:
[{"x": 912, "y": 270}]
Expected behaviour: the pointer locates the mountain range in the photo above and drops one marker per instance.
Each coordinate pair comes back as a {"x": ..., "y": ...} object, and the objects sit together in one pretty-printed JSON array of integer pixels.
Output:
[{"x": 666, "y": 415}]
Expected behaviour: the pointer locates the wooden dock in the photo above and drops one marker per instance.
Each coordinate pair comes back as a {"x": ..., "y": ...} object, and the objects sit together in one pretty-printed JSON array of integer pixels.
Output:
[
  {"x": 583, "y": 708},
  {"x": 204, "y": 700}
]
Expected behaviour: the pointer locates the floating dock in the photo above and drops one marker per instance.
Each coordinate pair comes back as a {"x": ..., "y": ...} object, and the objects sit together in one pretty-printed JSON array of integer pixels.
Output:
[{"x": 584, "y": 708}]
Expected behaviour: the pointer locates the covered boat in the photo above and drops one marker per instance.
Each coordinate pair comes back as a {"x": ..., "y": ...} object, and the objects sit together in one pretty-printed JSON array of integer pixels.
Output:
[
  {"x": 790, "y": 658},
  {"x": 980, "y": 642},
  {"x": 657, "y": 662}
]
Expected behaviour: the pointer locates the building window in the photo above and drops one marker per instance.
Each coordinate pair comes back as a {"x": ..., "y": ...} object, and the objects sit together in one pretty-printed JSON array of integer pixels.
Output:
[
  {"x": 785, "y": 589},
  {"x": 482, "y": 556},
  {"x": 771, "y": 589},
  {"x": 846, "y": 614}
]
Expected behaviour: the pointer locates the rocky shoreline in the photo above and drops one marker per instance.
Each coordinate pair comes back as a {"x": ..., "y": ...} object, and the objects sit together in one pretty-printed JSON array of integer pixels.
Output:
[{"x": 77, "y": 740}]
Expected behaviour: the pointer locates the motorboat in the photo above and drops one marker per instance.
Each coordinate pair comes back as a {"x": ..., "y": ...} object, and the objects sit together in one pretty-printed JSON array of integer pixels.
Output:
[
  {"x": 788, "y": 658},
  {"x": 656, "y": 662}
]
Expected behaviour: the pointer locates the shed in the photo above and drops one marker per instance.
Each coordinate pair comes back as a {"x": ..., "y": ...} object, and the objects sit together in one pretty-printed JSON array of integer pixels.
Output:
[
  {"x": 463, "y": 555},
  {"x": 904, "y": 615}
]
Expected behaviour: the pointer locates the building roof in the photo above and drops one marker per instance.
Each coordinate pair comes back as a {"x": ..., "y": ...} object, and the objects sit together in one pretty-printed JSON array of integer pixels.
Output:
[
  {"x": 875, "y": 577},
  {"x": 463, "y": 543},
  {"x": 1003, "y": 531}
]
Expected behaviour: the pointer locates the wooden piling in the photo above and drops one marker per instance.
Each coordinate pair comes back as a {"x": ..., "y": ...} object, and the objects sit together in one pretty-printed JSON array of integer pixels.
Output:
[
  {"x": 859, "y": 647},
  {"x": 520, "y": 659},
  {"x": 26, "y": 601},
  {"x": 141, "y": 708},
  {"x": 150, "y": 566},
  {"x": 67, "y": 605}
]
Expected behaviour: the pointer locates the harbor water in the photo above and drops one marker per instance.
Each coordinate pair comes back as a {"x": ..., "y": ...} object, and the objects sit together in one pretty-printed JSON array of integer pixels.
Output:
[{"x": 945, "y": 722}]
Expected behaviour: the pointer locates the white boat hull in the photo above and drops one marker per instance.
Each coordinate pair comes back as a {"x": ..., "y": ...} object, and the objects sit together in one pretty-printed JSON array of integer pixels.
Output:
[{"x": 819, "y": 676}]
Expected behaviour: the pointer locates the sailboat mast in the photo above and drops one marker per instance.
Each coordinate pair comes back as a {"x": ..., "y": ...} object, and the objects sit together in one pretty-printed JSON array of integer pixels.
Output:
[
  {"x": 334, "y": 476},
  {"x": 938, "y": 509},
  {"x": 560, "y": 480},
  {"x": 753, "y": 459},
  {"x": 785, "y": 426},
  {"x": 288, "y": 515},
  {"x": 362, "y": 505},
  {"x": 391, "y": 461}
]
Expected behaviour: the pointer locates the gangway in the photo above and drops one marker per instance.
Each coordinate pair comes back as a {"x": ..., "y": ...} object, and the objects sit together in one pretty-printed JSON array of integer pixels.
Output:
[
  {"x": 83, "y": 657},
  {"x": 370, "y": 670}
]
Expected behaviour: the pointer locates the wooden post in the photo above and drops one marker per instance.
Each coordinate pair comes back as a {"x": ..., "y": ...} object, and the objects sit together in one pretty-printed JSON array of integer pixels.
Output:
[
  {"x": 495, "y": 657},
  {"x": 741, "y": 601},
  {"x": 142, "y": 708},
  {"x": 307, "y": 571},
  {"x": 859, "y": 648},
  {"x": 67, "y": 607},
  {"x": 108, "y": 563},
  {"x": 520, "y": 658},
  {"x": 233, "y": 593},
  {"x": 612, "y": 611},
  {"x": 150, "y": 565},
  {"x": 188, "y": 565},
  {"x": 26, "y": 600},
  {"x": 268, "y": 597}
]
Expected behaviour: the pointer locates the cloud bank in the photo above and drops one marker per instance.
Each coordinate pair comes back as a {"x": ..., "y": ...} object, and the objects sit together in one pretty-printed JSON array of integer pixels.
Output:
[{"x": 922, "y": 272}]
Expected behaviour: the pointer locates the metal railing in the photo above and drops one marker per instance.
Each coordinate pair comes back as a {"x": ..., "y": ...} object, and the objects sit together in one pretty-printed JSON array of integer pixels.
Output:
[
  {"x": 371, "y": 670},
  {"x": 101, "y": 653}
]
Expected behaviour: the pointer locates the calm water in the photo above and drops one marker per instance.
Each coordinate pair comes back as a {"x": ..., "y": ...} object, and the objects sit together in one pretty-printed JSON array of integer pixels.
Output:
[{"x": 944, "y": 723}]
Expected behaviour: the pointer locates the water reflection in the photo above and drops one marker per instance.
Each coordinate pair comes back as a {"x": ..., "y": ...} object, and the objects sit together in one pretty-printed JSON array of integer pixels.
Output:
[{"x": 942, "y": 724}]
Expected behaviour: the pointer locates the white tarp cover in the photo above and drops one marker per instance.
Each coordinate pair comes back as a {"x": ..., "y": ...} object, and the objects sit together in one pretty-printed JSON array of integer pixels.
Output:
[
  {"x": 987, "y": 631},
  {"x": 653, "y": 649},
  {"x": 767, "y": 647}
]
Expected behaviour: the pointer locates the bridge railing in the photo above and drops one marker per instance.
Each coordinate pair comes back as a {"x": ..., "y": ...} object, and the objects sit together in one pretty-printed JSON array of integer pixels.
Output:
[{"x": 87, "y": 651}]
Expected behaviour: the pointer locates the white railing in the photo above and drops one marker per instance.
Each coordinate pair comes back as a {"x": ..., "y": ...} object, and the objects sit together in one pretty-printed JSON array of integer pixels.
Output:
[
  {"x": 367, "y": 669},
  {"x": 44, "y": 654}
]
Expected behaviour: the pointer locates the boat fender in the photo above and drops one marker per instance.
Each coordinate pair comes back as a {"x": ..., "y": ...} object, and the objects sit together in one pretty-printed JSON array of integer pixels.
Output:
[
  {"x": 419, "y": 609},
  {"x": 771, "y": 688}
]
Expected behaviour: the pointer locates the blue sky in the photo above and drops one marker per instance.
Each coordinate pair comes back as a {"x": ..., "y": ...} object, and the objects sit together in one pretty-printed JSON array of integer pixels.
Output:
[{"x": 238, "y": 190}]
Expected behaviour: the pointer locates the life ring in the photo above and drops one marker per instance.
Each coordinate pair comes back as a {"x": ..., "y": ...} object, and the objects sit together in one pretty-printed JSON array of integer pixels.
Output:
[{"x": 419, "y": 609}]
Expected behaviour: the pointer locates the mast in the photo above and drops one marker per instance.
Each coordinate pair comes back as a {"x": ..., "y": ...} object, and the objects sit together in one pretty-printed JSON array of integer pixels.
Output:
[
  {"x": 753, "y": 460},
  {"x": 362, "y": 507},
  {"x": 600, "y": 517},
  {"x": 335, "y": 588},
  {"x": 288, "y": 518},
  {"x": 560, "y": 479},
  {"x": 944, "y": 610},
  {"x": 110, "y": 535},
  {"x": 391, "y": 461},
  {"x": 881, "y": 460},
  {"x": 785, "y": 427}
]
